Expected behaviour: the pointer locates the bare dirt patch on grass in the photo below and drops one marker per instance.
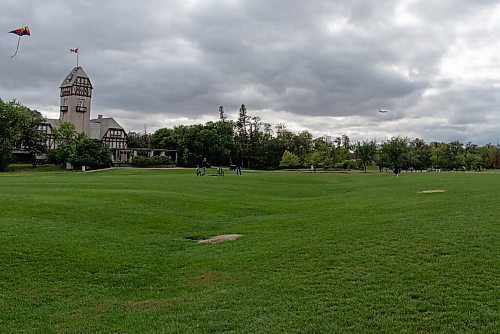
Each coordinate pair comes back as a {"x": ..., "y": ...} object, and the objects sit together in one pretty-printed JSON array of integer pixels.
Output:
[
  {"x": 220, "y": 238},
  {"x": 431, "y": 191}
]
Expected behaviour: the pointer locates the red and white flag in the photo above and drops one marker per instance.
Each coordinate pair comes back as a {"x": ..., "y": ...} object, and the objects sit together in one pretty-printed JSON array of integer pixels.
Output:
[{"x": 74, "y": 50}]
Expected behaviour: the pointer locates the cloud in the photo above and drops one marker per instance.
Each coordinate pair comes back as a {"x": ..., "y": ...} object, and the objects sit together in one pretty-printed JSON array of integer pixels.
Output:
[{"x": 323, "y": 66}]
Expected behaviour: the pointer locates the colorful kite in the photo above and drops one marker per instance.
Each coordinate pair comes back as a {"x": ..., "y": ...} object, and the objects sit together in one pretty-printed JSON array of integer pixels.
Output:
[{"x": 23, "y": 31}]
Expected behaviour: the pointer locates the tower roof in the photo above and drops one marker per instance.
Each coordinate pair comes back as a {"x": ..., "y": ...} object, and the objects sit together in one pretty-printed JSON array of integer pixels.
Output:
[{"x": 75, "y": 73}]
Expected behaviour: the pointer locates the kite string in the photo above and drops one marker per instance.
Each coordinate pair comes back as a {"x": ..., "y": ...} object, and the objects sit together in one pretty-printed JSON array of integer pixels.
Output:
[{"x": 18, "y": 40}]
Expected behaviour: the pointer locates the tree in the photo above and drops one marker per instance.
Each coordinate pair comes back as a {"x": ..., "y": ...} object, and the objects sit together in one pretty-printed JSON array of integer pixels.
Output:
[
  {"x": 421, "y": 154},
  {"x": 303, "y": 144},
  {"x": 165, "y": 139},
  {"x": 138, "y": 140},
  {"x": 91, "y": 153},
  {"x": 33, "y": 139},
  {"x": 12, "y": 115},
  {"x": 219, "y": 138},
  {"x": 242, "y": 134},
  {"x": 315, "y": 158},
  {"x": 394, "y": 149},
  {"x": 492, "y": 155},
  {"x": 284, "y": 138},
  {"x": 440, "y": 156},
  {"x": 222, "y": 114},
  {"x": 473, "y": 161},
  {"x": 343, "y": 154},
  {"x": 365, "y": 151},
  {"x": 65, "y": 137},
  {"x": 289, "y": 160},
  {"x": 327, "y": 152}
]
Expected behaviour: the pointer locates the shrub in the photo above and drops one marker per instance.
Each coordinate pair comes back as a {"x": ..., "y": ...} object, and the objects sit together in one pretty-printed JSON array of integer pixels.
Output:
[{"x": 139, "y": 161}]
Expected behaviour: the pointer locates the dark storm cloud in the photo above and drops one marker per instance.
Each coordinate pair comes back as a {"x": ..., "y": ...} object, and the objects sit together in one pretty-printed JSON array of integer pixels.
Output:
[{"x": 156, "y": 60}]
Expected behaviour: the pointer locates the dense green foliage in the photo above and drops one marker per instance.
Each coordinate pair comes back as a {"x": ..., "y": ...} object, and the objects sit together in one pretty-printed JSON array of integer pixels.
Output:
[
  {"x": 91, "y": 153},
  {"x": 116, "y": 251},
  {"x": 65, "y": 136},
  {"x": 365, "y": 152},
  {"x": 253, "y": 144},
  {"x": 78, "y": 149},
  {"x": 33, "y": 139},
  {"x": 289, "y": 160},
  {"x": 19, "y": 128}
]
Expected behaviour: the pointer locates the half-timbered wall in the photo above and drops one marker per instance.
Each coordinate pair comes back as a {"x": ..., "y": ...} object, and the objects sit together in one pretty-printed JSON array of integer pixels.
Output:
[
  {"x": 115, "y": 139},
  {"x": 49, "y": 135}
]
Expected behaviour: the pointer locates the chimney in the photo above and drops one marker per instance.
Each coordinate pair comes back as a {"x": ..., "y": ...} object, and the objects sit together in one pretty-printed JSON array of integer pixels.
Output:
[{"x": 99, "y": 116}]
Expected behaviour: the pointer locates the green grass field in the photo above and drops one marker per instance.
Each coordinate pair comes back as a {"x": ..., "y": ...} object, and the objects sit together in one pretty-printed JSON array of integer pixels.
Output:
[{"x": 116, "y": 251}]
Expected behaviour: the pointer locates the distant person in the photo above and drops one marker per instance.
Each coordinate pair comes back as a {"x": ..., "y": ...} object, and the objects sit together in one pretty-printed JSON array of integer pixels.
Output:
[
  {"x": 220, "y": 171},
  {"x": 204, "y": 166},
  {"x": 198, "y": 170},
  {"x": 238, "y": 169},
  {"x": 313, "y": 169},
  {"x": 396, "y": 169}
]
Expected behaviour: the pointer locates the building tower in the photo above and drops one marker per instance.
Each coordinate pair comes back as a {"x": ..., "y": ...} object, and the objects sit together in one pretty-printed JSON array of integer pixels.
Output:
[{"x": 76, "y": 93}]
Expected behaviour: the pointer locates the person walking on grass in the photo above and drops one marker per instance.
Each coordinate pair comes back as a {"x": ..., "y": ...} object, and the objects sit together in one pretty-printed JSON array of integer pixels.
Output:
[
  {"x": 204, "y": 166},
  {"x": 396, "y": 170},
  {"x": 238, "y": 168}
]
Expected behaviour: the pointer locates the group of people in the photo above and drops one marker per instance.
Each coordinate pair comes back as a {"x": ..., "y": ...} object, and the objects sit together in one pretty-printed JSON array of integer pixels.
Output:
[{"x": 201, "y": 169}]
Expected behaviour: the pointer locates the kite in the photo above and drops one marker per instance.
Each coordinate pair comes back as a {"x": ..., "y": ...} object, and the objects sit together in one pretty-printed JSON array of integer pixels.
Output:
[
  {"x": 383, "y": 110},
  {"x": 23, "y": 31}
]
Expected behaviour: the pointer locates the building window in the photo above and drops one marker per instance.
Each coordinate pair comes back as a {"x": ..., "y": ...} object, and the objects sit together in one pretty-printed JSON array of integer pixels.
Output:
[
  {"x": 115, "y": 133},
  {"x": 65, "y": 102},
  {"x": 66, "y": 91},
  {"x": 81, "y": 80},
  {"x": 80, "y": 103}
]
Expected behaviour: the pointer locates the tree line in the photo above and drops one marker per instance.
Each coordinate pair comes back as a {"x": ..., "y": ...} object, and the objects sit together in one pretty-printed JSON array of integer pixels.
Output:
[
  {"x": 254, "y": 144},
  {"x": 246, "y": 141}
]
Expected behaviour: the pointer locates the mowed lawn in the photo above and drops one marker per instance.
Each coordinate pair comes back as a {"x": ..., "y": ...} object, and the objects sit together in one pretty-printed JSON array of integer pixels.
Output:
[{"x": 117, "y": 251}]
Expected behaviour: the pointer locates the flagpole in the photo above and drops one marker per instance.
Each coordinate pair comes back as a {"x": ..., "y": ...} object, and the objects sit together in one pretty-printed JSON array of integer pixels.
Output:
[{"x": 77, "y": 54}]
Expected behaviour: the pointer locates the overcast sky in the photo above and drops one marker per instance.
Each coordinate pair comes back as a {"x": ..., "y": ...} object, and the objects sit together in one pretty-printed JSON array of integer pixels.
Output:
[{"x": 322, "y": 66}]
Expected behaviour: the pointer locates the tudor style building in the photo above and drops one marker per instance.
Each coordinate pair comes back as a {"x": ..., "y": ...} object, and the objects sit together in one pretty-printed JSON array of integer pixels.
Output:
[
  {"x": 47, "y": 128},
  {"x": 109, "y": 131},
  {"x": 76, "y": 96}
]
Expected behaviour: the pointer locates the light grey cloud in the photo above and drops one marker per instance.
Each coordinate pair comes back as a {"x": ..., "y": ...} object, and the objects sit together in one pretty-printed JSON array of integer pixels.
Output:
[{"x": 323, "y": 66}]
